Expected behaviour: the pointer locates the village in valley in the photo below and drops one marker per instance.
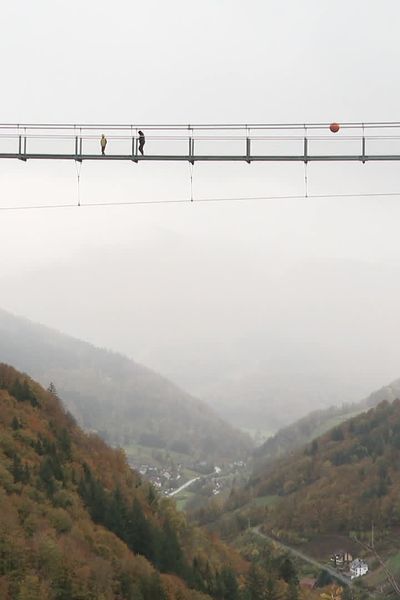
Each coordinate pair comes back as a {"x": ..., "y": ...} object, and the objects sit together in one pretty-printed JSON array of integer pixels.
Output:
[{"x": 173, "y": 477}]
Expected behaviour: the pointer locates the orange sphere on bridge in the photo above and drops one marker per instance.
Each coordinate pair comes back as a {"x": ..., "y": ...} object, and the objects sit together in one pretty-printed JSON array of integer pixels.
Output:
[{"x": 334, "y": 127}]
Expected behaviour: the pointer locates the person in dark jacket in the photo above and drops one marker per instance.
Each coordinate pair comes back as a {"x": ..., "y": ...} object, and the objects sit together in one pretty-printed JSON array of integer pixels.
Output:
[{"x": 142, "y": 141}]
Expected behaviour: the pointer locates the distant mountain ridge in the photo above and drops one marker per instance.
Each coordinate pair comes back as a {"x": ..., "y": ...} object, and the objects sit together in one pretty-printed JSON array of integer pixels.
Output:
[
  {"x": 299, "y": 433},
  {"x": 387, "y": 392},
  {"x": 122, "y": 400}
]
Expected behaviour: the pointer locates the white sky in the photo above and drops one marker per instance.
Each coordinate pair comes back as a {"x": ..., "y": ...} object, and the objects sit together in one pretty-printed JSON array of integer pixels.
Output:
[{"x": 194, "y": 289}]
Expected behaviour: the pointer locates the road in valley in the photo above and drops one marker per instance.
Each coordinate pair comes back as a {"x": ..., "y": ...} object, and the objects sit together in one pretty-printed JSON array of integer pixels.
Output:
[
  {"x": 305, "y": 557},
  {"x": 184, "y": 486}
]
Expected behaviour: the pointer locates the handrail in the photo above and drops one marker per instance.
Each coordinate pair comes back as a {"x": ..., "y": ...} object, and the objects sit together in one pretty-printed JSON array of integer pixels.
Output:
[{"x": 204, "y": 142}]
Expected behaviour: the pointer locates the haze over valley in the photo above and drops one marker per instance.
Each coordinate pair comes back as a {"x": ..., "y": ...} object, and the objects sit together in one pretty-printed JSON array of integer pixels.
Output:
[{"x": 309, "y": 334}]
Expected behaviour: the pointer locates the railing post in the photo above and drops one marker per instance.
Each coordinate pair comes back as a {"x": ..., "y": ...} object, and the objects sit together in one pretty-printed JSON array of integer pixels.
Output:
[
  {"x": 21, "y": 156},
  {"x": 248, "y": 144},
  {"x": 78, "y": 149},
  {"x": 191, "y": 150},
  {"x": 363, "y": 150},
  {"x": 134, "y": 149},
  {"x": 305, "y": 150}
]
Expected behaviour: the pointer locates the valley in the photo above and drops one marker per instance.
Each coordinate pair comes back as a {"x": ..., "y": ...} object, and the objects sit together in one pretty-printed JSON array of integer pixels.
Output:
[{"x": 283, "y": 491}]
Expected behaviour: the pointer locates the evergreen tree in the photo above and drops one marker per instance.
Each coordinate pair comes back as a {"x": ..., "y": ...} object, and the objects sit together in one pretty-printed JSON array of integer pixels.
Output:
[
  {"x": 152, "y": 588},
  {"x": 256, "y": 583},
  {"x": 46, "y": 476},
  {"x": 94, "y": 496},
  {"x": 292, "y": 591},
  {"x": 323, "y": 579},
  {"x": 347, "y": 594},
  {"x": 209, "y": 579},
  {"x": 135, "y": 594},
  {"x": 17, "y": 391},
  {"x": 64, "y": 444},
  {"x": 151, "y": 496},
  {"x": 23, "y": 393},
  {"x": 30, "y": 395},
  {"x": 270, "y": 591},
  {"x": 128, "y": 588},
  {"x": 231, "y": 588},
  {"x": 117, "y": 515},
  {"x": 196, "y": 577},
  {"x": 337, "y": 434},
  {"x": 63, "y": 586},
  {"x": 171, "y": 557},
  {"x": 287, "y": 571},
  {"x": 16, "y": 424},
  {"x": 52, "y": 389},
  {"x": 17, "y": 469},
  {"x": 139, "y": 534},
  {"x": 314, "y": 447},
  {"x": 245, "y": 594},
  {"x": 219, "y": 587}
]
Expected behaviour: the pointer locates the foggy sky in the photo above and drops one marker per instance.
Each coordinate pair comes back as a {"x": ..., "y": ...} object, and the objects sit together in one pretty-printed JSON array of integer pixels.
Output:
[{"x": 202, "y": 292}]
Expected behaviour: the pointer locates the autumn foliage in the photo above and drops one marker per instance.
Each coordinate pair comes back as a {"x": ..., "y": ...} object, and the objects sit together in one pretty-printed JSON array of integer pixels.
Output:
[
  {"x": 341, "y": 482},
  {"x": 76, "y": 523}
]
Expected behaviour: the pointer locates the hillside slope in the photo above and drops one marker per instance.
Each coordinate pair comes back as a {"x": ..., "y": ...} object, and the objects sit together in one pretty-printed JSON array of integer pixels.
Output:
[
  {"x": 77, "y": 524},
  {"x": 125, "y": 402},
  {"x": 341, "y": 482}
]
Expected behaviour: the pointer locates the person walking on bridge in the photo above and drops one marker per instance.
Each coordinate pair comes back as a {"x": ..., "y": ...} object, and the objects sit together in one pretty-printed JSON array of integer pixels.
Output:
[
  {"x": 142, "y": 141},
  {"x": 103, "y": 144}
]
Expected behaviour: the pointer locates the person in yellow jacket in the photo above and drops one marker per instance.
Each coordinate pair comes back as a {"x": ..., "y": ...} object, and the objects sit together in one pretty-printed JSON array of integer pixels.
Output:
[{"x": 103, "y": 144}]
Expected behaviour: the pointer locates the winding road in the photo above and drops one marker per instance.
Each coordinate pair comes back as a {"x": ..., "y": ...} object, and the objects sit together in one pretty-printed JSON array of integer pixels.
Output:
[
  {"x": 305, "y": 557},
  {"x": 183, "y": 487}
]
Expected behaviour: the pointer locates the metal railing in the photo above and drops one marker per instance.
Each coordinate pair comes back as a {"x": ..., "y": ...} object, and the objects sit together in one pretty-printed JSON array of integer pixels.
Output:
[{"x": 376, "y": 141}]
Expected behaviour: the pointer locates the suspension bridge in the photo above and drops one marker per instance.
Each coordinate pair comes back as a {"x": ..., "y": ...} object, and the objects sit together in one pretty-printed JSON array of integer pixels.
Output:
[
  {"x": 312, "y": 142},
  {"x": 196, "y": 143}
]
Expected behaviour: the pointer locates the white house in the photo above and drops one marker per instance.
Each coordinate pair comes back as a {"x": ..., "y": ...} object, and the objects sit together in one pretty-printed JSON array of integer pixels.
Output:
[{"x": 358, "y": 568}]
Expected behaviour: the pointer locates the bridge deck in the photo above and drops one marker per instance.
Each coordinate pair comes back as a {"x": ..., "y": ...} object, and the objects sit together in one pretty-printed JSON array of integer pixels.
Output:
[
  {"x": 205, "y": 158},
  {"x": 313, "y": 142}
]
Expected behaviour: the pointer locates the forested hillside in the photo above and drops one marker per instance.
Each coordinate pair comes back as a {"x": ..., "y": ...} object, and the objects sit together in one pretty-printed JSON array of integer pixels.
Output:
[
  {"x": 77, "y": 524},
  {"x": 300, "y": 432},
  {"x": 125, "y": 402},
  {"x": 340, "y": 482}
]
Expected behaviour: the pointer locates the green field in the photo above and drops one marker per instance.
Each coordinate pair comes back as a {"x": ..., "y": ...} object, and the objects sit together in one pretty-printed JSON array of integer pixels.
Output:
[
  {"x": 157, "y": 457},
  {"x": 394, "y": 564},
  {"x": 266, "y": 500},
  {"x": 183, "y": 498}
]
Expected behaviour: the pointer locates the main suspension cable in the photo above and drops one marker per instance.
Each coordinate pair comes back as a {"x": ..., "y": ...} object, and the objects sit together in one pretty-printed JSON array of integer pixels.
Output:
[{"x": 205, "y": 200}]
